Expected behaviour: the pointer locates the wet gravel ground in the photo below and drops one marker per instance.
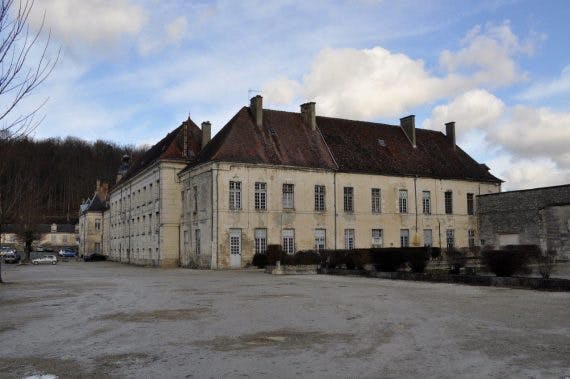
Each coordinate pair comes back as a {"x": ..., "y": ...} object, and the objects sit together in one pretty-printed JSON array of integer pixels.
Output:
[{"x": 106, "y": 319}]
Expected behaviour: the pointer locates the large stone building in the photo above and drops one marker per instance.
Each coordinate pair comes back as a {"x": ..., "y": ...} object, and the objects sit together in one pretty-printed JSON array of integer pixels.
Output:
[
  {"x": 91, "y": 225},
  {"x": 52, "y": 236},
  {"x": 539, "y": 216},
  {"x": 145, "y": 204},
  {"x": 310, "y": 182}
]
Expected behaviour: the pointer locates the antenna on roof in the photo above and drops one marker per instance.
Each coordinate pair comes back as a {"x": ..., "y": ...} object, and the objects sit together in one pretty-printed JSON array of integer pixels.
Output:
[
  {"x": 250, "y": 92},
  {"x": 188, "y": 114}
]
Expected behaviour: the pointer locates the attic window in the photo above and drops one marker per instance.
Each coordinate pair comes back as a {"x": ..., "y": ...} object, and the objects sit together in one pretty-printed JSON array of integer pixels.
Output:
[
  {"x": 272, "y": 131},
  {"x": 381, "y": 142}
]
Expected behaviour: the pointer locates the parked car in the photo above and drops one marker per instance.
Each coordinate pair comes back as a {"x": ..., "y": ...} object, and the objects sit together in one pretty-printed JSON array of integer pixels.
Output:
[
  {"x": 67, "y": 253},
  {"x": 45, "y": 259},
  {"x": 93, "y": 257},
  {"x": 6, "y": 250},
  {"x": 12, "y": 257}
]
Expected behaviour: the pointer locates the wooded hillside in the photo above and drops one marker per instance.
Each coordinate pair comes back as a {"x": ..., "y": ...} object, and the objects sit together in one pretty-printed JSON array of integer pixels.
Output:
[{"x": 50, "y": 178}]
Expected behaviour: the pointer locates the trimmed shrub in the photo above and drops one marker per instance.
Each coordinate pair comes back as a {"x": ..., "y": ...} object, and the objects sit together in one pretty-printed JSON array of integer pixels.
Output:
[
  {"x": 259, "y": 260},
  {"x": 434, "y": 252},
  {"x": 357, "y": 259},
  {"x": 418, "y": 259},
  {"x": 308, "y": 257},
  {"x": 274, "y": 254},
  {"x": 332, "y": 258},
  {"x": 388, "y": 259},
  {"x": 456, "y": 260},
  {"x": 546, "y": 263},
  {"x": 506, "y": 262}
]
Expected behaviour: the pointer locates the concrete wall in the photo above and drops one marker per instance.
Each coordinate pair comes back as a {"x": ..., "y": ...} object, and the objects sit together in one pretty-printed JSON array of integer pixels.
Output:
[
  {"x": 212, "y": 181},
  {"x": 556, "y": 229},
  {"x": 525, "y": 215}
]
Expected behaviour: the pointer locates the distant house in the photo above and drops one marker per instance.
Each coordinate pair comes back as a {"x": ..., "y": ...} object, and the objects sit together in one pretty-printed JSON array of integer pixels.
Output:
[
  {"x": 48, "y": 236},
  {"x": 91, "y": 225},
  {"x": 539, "y": 216}
]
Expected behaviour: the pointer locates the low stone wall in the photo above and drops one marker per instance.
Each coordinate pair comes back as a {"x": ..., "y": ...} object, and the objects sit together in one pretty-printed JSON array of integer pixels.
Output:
[
  {"x": 292, "y": 270},
  {"x": 476, "y": 280}
]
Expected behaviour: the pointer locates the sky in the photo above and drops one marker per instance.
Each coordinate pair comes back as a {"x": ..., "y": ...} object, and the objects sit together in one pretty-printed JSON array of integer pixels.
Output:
[{"x": 131, "y": 71}]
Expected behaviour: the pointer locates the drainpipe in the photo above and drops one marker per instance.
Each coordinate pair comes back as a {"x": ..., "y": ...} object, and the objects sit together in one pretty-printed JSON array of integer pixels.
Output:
[
  {"x": 416, "y": 201},
  {"x": 334, "y": 206}
]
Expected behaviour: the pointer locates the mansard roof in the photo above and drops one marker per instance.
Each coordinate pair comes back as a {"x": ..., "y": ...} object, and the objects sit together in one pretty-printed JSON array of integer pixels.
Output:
[
  {"x": 170, "y": 147},
  {"x": 340, "y": 144}
]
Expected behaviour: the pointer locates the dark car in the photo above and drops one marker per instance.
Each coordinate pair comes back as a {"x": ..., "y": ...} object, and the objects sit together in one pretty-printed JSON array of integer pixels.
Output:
[
  {"x": 93, "y": 257},
  {"x": 12, "y": 257},
  {"x": 67, "y": 253}
]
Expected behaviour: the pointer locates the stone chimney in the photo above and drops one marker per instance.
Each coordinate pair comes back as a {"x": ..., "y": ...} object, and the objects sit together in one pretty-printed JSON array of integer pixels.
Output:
[
  {"x": 408, "y": 125},
  {"x": 308, "y": 115},
  {"x": 206, "y": 133},
  {"x": 450, "y": 133},
  {"x": 256, "y": 109}
]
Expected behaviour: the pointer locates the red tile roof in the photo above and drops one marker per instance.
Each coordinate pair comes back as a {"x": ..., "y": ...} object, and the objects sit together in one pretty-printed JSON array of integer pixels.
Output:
[
  {"x": 338, "y": 144},
  {"x": 170, "y": 147}
]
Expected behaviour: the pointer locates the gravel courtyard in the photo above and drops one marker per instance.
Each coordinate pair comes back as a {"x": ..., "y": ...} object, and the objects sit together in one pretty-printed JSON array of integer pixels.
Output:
[{"x": 106, "y": 319}]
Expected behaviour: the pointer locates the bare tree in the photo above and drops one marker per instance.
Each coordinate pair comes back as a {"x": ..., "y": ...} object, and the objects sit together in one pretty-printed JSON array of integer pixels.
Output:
[{"x": 20, "y": 72}]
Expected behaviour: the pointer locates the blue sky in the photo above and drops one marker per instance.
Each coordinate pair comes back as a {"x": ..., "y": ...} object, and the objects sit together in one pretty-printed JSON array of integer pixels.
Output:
[{"x": 131, "y": 71}]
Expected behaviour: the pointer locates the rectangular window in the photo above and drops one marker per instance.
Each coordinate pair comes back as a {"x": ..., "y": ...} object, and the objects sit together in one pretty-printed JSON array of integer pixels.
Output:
[
  {"x": 289, "y": 241},
  {"x": 235, "y": 241},
  {"x": 260, "y": 236},
  {"x": 428, "y": 237},
  {"x": 376, "y": 200},
  {"x": 470, "y": 208},
  {"x": 97, "y": 247},
  {"x": 320, "y": 239},
  {"x": 426, "y": 202},
  {"x": 404, "y": 237},
  {"x": 65, "y": 238},
  {"x": 349, "y": 239},
  {"x": 186, "y": 240},
  {"x": 195, "y": 200},
  {"x": 471, "y": 237},
  {"x": 320, "y": 198},
  {"x": 450, "y": 238},
  {"x": 288, "y": 196},
  {"x": 403, "y": 201},
  {"x": 260, "y": 199},
  {"x": 197, "y": 236},
  {"x": 97, "y": 224},
  {"x": 348, "y": 199},
  {"x": 376, "y": 237},
  {"x": 53, "y": 238},
  {"x": 235, "y": 195},
  {"x": 448, "y": 202}
]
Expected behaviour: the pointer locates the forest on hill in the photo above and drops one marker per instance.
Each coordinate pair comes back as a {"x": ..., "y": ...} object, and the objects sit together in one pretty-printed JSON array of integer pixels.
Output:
[{"x": 45, "y": 181}]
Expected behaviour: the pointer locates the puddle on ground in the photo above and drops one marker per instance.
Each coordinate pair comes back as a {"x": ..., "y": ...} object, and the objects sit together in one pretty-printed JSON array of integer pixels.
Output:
[
  {"x": 281, "y": 339},
  {"x": 160, "y": 315}
]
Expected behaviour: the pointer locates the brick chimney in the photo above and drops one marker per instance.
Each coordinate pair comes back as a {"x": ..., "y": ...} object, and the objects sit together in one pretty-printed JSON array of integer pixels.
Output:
[
  {"x": 256, "y": 109},
  {"x": 206, "y": 133},
  {"x": 308, "y": 115},
  {"x": 450, "y": 132},
  {"x": 408, "y": 125}
]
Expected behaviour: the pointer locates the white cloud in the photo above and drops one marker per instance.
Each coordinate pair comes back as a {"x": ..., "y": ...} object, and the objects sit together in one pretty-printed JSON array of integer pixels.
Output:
[
  {"x": 281, "y": 91},
  {"x": 528, "y": 173},
  {"x": 376, "y": 82},
  {"x": 176, "y": 29},
  {"x": 95, "y": 23},
  {"x": 558, "y": 86},
  {"x": 476, "y": 109},
  {"x": 535, "y": 132}
]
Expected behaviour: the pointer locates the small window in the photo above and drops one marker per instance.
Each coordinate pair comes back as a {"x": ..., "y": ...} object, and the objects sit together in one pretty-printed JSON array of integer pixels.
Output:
[
  {"x": 320, "y": 239},
  {"x": 375, "y": 195},
  {"x": 471, "y": 237},
  {"x": 289, "y": 241},
  {"x": 428, "y": 237},
  {"x": 349, "y": 239},
  {"x": 426, "y": 202},
  {"x": 260, "y": 198},
  {"x": 470, "y": 207},
  {"x": 448, "y": 202},
  {"x": 320, "y": 198},
  {"x": 260, "y": 236},
  {"x": 235, "y": 195},
  {"x": 288, "y": 196},
  {"x": 403, "y": 201},
  {"x": 195, "y": 192},
  {"x": 377, "y": 237},
  {"x": 404, "y": 237},
  {"x": 97, "y": 224},
  {"x": 348, "y": 199},
  {"x": 450, "y": 238},
  {"x": 186, "y": 240},
  {"x": 197, "y": 235}
]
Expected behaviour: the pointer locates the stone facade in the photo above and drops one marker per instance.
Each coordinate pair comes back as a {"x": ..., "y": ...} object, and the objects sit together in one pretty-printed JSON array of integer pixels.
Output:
[
  {"x": 536, "y": 216},
  {"x": 91, "y": 223}
]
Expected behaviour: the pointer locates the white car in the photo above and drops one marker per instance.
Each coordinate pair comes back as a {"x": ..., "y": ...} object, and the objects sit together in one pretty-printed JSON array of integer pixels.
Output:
[{"x": 45, "y": 259}]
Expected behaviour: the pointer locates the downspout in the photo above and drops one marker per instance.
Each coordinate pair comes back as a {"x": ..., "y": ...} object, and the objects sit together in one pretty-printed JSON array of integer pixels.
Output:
[
  {"x": 212, "y": 215},
  {"x": 334, "y": 205},
  {"x": 416, "y": 201}
]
